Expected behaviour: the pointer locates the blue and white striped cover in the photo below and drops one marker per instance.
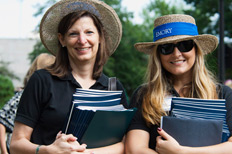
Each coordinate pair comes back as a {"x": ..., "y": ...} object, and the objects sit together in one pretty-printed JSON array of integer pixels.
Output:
[{"x": 194, "y": 108}]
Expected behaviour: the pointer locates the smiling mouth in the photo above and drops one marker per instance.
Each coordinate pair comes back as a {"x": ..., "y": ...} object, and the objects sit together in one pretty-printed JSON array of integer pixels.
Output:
[
  {"x": 178, "y": 62},
  {"x": 83, "y": 49}
]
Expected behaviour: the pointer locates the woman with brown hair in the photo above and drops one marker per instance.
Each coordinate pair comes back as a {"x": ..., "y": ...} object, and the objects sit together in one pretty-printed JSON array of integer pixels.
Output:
[{"x": 82, "y": 34}]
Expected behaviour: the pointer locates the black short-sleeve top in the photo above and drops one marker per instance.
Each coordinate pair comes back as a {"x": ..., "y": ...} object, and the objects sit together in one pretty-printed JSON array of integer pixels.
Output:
[
  {"x": 138, "y": 122},
  {"x": 46, "y": 101}
]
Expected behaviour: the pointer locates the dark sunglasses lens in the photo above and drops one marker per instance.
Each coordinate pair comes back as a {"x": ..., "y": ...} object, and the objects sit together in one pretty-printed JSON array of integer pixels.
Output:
[
  {"x": 166, "y": 49},
  {"x": 185, "y": 46}
]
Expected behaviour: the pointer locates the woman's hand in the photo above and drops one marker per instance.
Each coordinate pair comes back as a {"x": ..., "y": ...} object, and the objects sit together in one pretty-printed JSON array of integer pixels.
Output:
[
  {"x": 67, "y": 144},
  {"x": 63, "y": 144},
  {"x": 165, "y": 144}
]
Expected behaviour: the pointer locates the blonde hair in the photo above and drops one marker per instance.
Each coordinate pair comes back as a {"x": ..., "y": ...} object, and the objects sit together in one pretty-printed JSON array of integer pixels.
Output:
[
  {"x": 159, "y": 84},
  {"x": 41, "y": 61}
]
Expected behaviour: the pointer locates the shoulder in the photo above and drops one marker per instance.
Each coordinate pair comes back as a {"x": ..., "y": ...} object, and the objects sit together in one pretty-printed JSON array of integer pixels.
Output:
[
  {"x": 119, "y": 85},
  {"x": 42, "y": 75},
  {"x": 225, "y": 92},
  {"x": 137, "y": 96},
  {"x": 104, "y": 80},
  {"x": 140, "y": 90},
  {"x": 40, "y": 80}
]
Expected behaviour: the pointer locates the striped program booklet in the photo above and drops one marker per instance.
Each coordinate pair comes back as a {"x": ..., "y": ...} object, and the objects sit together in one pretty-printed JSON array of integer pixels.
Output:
[
  {"x": 207, "y": 109},
  {"x": 97, "y": 118}
]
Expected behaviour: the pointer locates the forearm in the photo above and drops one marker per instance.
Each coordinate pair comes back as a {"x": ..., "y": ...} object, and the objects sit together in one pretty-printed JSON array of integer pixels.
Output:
[
  {"x": 3, "y": 139},
  {"x": 223, "y": 148},
  {"x": 117, "y": 148},
  {"x": 141, "y": 151},
  {"x": 23, "y": 146},
  {"x": 62, "y": 145},
  {"x": 137, "y": 142}
]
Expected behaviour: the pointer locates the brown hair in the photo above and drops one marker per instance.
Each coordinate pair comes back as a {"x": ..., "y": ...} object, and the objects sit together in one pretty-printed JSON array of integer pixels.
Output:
[{"x": 62, "y": 67}]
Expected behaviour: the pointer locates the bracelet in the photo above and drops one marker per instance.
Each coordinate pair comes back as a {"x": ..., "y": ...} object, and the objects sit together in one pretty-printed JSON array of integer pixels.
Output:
[{"x": 37, "y": 149}]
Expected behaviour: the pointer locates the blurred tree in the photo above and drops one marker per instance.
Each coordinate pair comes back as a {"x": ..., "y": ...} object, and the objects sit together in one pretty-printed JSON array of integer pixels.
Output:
[
  {"x": 38, "y": 47},
  {"x": 207, "y": 16},
  {"x": 127, "y": 64},
  {"x": 6, "y": 85},
  {"x": 154, "y": 9},
  {"x": 4, "y": 71},
  {"x": 6, "y": 90}
]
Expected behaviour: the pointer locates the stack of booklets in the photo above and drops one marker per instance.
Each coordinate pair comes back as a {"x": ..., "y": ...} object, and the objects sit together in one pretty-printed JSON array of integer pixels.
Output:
[
  {"x": 97, "y": 118},
  {"x": 203, "y": 119}
]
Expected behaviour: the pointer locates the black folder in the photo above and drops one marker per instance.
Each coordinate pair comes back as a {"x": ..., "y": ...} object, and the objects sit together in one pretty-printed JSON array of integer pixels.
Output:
[
  {"x": 106, "y": 128},
  {"x": 193, "y": 132},
  {"x": 97, "y": 118},
  {"x": 99, "y": 128}
]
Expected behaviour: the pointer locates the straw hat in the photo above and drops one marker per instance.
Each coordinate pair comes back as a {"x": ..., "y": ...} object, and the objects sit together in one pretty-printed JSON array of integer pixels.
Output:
[
  {"x": 175, "y": 28},
  {"x": 106, "y": 14}
]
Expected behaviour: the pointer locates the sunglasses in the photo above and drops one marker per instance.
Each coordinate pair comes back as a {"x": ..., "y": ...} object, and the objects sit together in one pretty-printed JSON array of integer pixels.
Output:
[{"x": 183, "y": 46}]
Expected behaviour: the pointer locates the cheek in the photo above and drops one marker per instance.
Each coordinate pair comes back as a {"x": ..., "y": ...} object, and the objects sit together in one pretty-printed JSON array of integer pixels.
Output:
[
  {"x": 191, "y": 57},
  {"x": 71, "y": 41},
  {"x": 164, "y": 60}
]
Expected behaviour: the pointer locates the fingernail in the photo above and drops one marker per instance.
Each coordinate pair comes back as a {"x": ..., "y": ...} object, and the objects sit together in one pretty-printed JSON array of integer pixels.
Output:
[
  {"x": 159, "y": 129},
  {"x": 84, "y": 145}
]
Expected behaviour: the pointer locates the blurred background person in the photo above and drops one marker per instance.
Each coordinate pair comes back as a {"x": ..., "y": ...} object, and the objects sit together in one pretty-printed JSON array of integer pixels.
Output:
[
  {"x": 228, "y": 83},
  {"x": 8, "y": 111}
]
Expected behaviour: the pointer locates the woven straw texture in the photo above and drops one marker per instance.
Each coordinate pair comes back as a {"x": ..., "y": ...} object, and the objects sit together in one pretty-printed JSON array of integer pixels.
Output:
[
  {"x": 107, "y": 15},
  {"x": 206, "y": 42}
]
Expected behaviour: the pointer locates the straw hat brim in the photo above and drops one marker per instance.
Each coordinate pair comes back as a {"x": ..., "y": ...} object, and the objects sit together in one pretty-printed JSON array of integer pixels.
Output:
[
  {"x": 206, "y": 42},
  {"x": 107, "y": 15}
]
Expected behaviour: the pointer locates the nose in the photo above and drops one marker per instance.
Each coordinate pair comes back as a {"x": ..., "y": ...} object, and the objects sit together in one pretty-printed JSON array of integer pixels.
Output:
[
  {"x": 176, "y": 52},
  {"x": 82, "y": 39}
]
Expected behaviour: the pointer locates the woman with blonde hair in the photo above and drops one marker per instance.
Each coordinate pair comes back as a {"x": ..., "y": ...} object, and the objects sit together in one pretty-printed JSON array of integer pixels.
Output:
[
  {"x": 176, "y": 69},
  {"x": 7, "y": 113},
  {"x": 42, "y": 61}
]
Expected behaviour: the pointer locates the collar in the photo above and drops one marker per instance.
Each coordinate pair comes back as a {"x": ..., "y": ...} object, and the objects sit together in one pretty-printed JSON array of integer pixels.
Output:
[
  {"x": 103, "y": 79},
  {"x": 174, "y": 92}
]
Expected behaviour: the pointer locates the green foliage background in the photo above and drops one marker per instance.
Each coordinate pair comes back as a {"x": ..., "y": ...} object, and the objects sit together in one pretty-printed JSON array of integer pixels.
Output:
[
  {"x": 129, "y": 65},
  {"x": 6, "y": 85},
  {"x": 6, "y": 90}
]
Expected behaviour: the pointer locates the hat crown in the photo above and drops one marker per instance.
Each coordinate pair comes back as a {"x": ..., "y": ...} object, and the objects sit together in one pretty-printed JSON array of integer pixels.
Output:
[
  {"x": 174, "y": 18},
  {"x": 106, "y": 14},
  {"x": 175, "y": 28}
]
